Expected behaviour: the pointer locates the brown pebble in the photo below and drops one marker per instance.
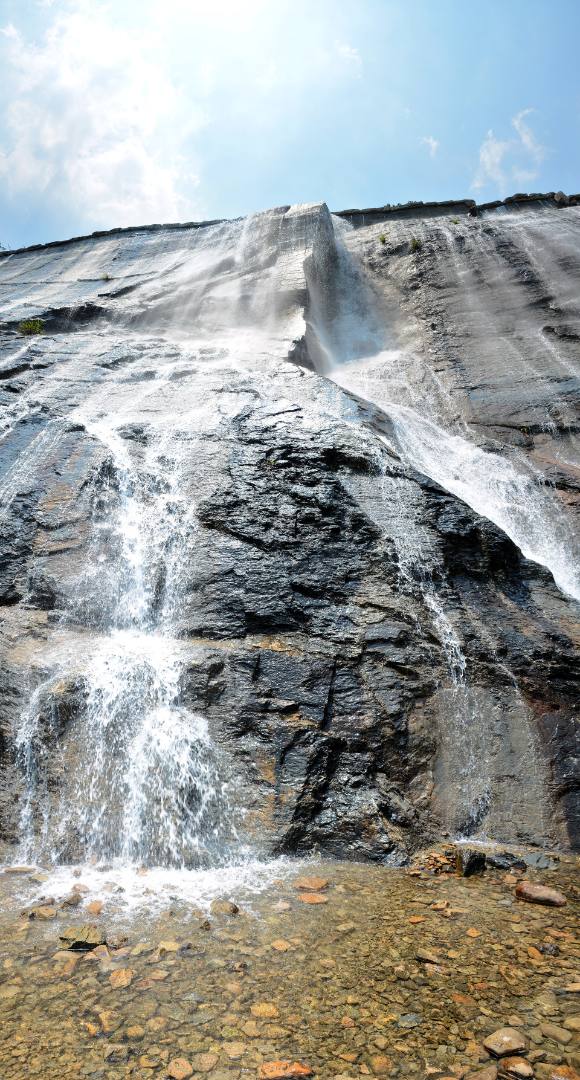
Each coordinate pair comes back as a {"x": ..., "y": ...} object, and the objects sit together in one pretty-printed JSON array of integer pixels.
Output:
[
  {"x": 179, "y": 1069},
  {"x": 312, "y": 898},
  {"x": 505, "y": 1042},
  {"x": 556, "y": 1033},
  {"x": 121, "y": 978},
  {"x": 205, "y": 1062},
  {"x": 265, "y": 1010},
  {"x": 311, "y": 884},
  {"x": 517, "y": 1067},
  {"x": 44, "y": 912},
  {"x": 224, "y": 907},
  {"x": 381, "y": 1064},
  {"x": 283, "y": 1070}
]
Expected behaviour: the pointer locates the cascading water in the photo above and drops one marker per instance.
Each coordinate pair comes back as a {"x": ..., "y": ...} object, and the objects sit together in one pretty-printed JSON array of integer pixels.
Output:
[
  {"x": 149, "y": 785},
  {"x": 513, "y": 498},
  {"x": 357, "y": 354}
]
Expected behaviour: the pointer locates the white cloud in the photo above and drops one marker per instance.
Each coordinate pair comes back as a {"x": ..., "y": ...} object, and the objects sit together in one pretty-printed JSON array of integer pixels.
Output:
[
  {"x": 431, "y": 143},
  {"x": 527, "y": 137},
  {"x": 350, "y": 56},
  {"x": 94, "y": 124},
  {"x": 491, "y": 157},
  {"x": 503, "y": 162}
]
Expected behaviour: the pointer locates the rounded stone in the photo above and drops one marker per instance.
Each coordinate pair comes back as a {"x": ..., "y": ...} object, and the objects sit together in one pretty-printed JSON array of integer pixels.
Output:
[{"x": 505, "y": 1042}]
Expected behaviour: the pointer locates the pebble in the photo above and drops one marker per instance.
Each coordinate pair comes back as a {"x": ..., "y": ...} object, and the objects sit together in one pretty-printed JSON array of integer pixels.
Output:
[
  {"x": 168, "y": 947},
  {"x": 340, "y": 985},
  {"x": 204, "y": 1063},
  {"x": 505, "y": 1042},
  {"x": 224, "y": 907},
  {"x": 73, "y": 900},
  {"x": 410, "y": 1020},
  {"x": 427, "y": 957},
  {"x": 179, "y": 1069},
  {"x": 121, "y": 978},
  {"x": 284, "y": 1070},
  {"x": 539, "y": 894},
  {"x": 311, "y": 884},
  {"x": 313, "y": 898},
  {"x": 517, "y": 1067},
  {"x": 381, "y": 1064},
  {"x": 234, "y": 1049},
  {"x": 265, "y": 1010},
  {"x": 556, "y": 1033},
  {"x": 83, "y": 937},
  {"x": 44, "y": 912}
]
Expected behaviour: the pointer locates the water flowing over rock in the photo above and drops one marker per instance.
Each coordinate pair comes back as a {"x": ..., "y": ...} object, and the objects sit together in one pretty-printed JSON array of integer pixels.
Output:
[{"x": 289, "y": 536}]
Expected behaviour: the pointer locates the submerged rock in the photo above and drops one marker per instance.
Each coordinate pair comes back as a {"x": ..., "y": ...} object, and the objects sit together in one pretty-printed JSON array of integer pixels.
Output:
[
  {"x": 84, "y": 938},
  {"x": 516, "y": 1067},
  {"x": 534, "y": 893},
  {"x": 284, "y": 1070},
  {"x": 311, "y": 884},
  {"x": 179, "y": 1069},
  {"x": 43, "y": 912},
  {"x": 224, "y": 907},
  {"x": 505, "y": 1042}
]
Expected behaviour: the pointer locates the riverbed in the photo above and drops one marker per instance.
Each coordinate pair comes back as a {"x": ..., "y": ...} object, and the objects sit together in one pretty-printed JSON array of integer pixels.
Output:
[{"x": 343, "y": 969}]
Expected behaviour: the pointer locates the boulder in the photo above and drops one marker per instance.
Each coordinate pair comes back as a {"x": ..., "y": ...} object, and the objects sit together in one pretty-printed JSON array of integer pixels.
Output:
[{"x": 470, "y": 860}]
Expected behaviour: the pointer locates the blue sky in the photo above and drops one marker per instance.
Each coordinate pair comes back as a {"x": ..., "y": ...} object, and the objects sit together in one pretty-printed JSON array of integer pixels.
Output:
[{"x": 136, "y": 111}]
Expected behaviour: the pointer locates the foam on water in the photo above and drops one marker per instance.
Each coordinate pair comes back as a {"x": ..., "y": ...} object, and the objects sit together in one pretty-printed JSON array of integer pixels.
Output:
[{"x": 128, "y": 887}]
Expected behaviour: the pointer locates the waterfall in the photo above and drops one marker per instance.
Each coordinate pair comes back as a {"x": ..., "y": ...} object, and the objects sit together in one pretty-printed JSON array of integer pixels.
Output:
[
  {"x": 513, "y": 496},
  {"x": 360, "y": 353},
  {"x": 147, "y": 787},
  {"x": 140, "y": 777}
]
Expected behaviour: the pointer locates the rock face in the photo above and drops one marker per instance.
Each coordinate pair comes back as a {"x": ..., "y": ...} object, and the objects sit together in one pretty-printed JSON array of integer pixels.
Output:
[{"x": 239, "y": 607}]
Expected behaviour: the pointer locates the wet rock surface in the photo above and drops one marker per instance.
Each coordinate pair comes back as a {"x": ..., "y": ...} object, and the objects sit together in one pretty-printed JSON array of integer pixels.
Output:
[
  {"x": 324, "y": 577},
  {"x": 348, "y": 996}
]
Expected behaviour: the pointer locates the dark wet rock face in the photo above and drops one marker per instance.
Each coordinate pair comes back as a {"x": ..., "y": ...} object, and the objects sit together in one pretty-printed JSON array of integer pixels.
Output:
[{"x": 197, "y": 532}]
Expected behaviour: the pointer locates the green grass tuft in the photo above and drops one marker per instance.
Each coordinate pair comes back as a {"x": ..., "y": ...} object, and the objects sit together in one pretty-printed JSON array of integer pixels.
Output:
[
  {"x": 415, "y": 244},
  {"x": 382, "y": 238},
  {"x": 31, "y": 326}
]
